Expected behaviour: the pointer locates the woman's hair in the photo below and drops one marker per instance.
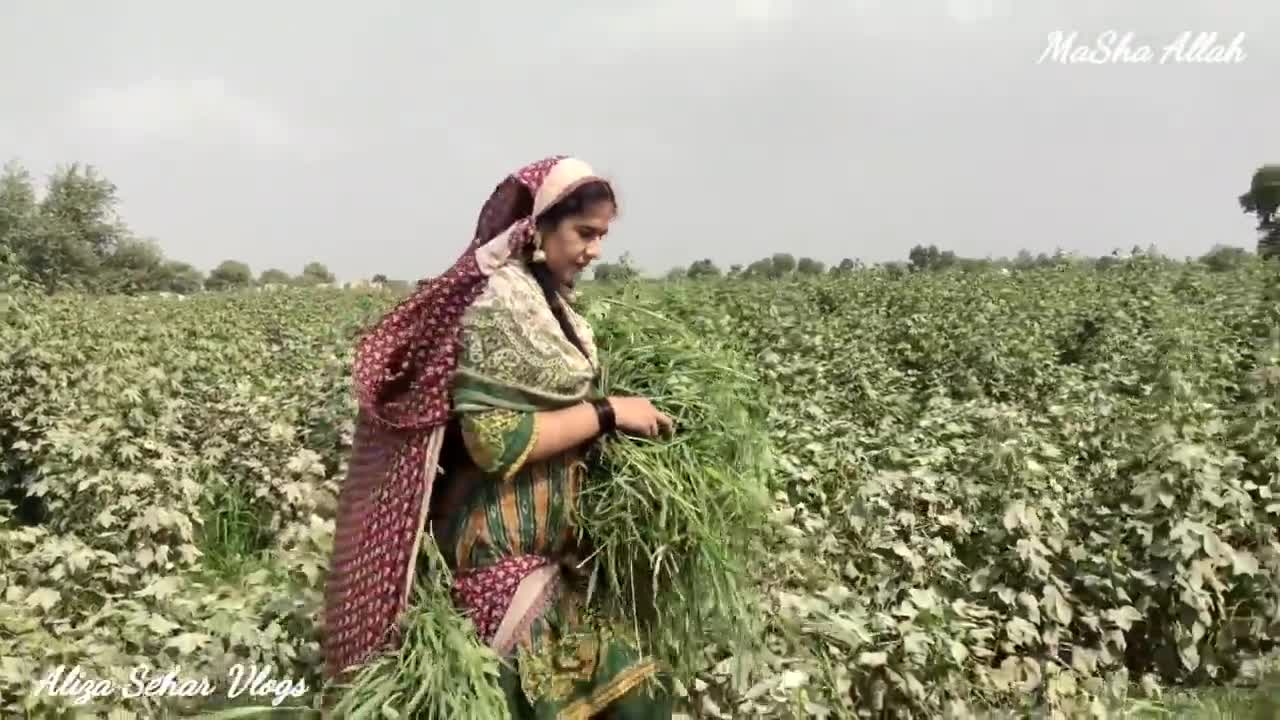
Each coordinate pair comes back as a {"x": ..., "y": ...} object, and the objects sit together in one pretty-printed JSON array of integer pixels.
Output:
[
  {"x": 583, "y": 198},
  {"x": 580, "y": 200}
]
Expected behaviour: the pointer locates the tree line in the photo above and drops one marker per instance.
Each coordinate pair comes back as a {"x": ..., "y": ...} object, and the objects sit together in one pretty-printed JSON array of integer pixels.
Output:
[
  {"x": 1262, "y": 200},
  {"x": 72, "y": 238},
  {"x": 920, "y": 258}
]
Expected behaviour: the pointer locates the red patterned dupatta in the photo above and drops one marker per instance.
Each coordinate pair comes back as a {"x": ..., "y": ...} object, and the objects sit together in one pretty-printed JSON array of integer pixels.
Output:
[{"x": 403, "y": 371}]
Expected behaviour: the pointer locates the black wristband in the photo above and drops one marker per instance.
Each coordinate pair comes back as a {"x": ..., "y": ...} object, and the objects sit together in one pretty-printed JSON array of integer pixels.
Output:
[{"x": 604, "y": 415}]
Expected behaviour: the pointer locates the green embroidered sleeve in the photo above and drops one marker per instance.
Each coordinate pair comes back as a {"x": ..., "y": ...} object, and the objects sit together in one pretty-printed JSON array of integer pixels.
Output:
[{"x": 499, "y": 441}]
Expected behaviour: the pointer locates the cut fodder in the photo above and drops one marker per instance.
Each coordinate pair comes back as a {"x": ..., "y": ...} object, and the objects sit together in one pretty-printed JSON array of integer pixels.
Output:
[
  {"x": 440, "y": 670},
  {"x": 674, "y": 522}
]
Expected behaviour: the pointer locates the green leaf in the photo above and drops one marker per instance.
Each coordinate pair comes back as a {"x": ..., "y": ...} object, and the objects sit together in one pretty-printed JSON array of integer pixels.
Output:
[
  {"x": 188, "y": 643},
  {"x": 44, "y": 598},
  {"x": 873, "y": 659},
  {"x": 1244, "y": 563},
  {"x": 162, "y": 588}
]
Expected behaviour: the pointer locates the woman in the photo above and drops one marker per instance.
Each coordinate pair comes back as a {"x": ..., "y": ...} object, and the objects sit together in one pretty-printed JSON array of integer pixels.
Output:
[{"x": 474, "y": 414}]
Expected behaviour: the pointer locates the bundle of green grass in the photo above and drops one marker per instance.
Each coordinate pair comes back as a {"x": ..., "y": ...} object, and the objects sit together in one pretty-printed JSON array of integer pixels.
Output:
[
  {"x": 675, "y": 522},
  {"x": 439, "y": 670}
]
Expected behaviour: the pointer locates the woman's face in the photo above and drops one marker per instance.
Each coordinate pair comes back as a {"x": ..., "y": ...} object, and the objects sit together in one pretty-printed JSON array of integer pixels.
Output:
[{"x": 575, "y": 243}]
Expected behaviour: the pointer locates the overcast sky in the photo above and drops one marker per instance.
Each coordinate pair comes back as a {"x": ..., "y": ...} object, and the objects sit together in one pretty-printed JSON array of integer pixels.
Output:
[{"x": 366, "y": 135}]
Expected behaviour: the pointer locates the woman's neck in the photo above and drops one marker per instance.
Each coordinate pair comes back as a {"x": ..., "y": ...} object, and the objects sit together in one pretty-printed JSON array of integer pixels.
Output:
[{"x": 543, "y": 275}]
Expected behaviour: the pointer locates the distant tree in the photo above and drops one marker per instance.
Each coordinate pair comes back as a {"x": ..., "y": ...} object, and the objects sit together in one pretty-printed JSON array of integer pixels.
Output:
[
  {"x": 378, "y": 279},
  {"x": 763, "y": 268},
  {"x": 783, "y": 264},
  {"x": 845, "y": 267},
  {"x": 229, "y": 275},
  {"x": 1262, "y": 200},
  {"x": 17, "y": 214},
  {"x": 73, "y": 237},
  {"x": 1224, "y": 258},
  {"x": 919, "y": 257},
  {"x": 620, "y": 271},
  {"x": 602, "y": 271},
  {"x": 676, "y": 273},
  {"x": 974, "y": 265},
  {"x": 703, "y": 269},
  {"x": 274, "y": 276},
  {"x": 183, "y": 278},
  {"x": 930, "y": 258},
  {"x": 896, "y": 269},
  {"x": 735, "y": 270},
  {"x": 809, "y": 266},
  {"x": 135, "y": 266},
  {"x": 86, "y": 203},
  {"x": 17, "y": 200},
  {"x": 62, "y": 240},
  {"x": 315, "y": 273}
]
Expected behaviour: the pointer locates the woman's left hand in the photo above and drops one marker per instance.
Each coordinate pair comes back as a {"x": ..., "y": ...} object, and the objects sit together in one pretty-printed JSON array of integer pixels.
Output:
[{"x": 638, "y": 416}]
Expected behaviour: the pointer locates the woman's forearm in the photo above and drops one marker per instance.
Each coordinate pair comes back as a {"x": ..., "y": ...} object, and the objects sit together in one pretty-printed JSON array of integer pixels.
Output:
[{"x": 560, "y": 430}]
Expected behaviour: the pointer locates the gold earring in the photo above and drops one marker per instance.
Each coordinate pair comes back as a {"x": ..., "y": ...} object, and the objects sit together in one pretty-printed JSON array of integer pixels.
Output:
[{"x": 539, "y": 256}]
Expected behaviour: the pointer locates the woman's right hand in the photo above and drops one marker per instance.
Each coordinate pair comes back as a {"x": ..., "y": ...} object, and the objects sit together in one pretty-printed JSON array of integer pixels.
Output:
[{"x": 638, "y": 416}]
